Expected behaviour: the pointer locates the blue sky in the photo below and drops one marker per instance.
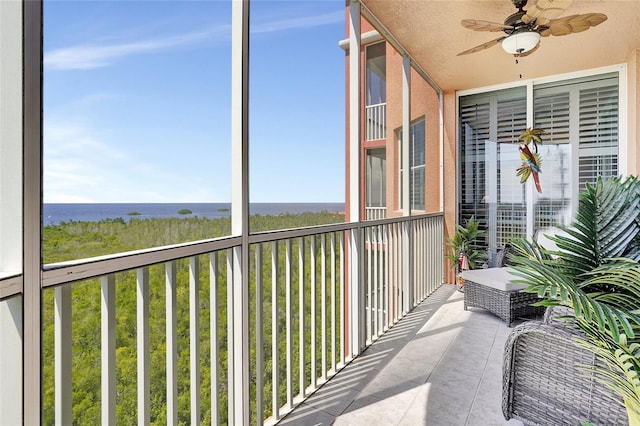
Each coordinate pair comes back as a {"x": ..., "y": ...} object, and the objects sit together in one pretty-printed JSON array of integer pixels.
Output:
[{"x": 137, "y": 101}]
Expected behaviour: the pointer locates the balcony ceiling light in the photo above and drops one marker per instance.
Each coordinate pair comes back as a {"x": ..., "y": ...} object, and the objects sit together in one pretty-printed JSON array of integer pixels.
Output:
[{"x": 520, "y": 42}]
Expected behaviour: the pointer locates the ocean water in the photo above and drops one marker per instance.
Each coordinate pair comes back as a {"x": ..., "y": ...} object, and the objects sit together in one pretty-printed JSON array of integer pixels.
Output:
[{"x": 53, "y": 214}]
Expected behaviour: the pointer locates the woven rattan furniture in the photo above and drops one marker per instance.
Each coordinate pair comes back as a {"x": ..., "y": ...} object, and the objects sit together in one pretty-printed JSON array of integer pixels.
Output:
[
  {"x": 541, "y": 384},
  {"x": 491, "y": 289}
]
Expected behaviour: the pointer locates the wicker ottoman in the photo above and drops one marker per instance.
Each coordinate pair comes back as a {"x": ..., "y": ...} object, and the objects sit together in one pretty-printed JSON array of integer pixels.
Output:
[{"x": 491, "y": 289}]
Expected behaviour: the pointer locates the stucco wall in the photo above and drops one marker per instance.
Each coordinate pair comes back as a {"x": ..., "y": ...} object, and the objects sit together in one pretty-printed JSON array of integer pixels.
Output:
[{"x": 424, "y": 104}]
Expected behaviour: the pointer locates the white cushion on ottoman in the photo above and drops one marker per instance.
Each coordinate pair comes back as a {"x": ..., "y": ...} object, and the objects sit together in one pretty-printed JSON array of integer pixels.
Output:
[{"x": 498, "y": 278}]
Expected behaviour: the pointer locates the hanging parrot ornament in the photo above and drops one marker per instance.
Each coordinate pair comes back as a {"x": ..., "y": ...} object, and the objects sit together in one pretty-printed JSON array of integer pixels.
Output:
[
  {"x": 530, "y": 166},
  {"x": 530, "y": 160}
]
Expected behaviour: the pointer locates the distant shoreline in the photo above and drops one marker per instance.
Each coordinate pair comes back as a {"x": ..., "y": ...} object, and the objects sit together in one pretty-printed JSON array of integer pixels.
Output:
[{"x": 55, "y": 213}]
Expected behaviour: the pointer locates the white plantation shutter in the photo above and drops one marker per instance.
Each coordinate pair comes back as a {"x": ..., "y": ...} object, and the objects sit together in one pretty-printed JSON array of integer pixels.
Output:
[
  {"x": 552, "y": 108},
  {"x": 582, "y": 119},
  {"x": 599, "y": 117},
  {"x": 581, "y": 116},
  {"x": 511, "y": 211},
  {"x": 489, "y": 188}
]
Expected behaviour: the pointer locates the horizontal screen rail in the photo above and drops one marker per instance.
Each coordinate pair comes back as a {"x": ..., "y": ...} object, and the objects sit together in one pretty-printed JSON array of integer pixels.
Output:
[
  {"x": 10, "y": 286},
  {"x": 66, "y": 272}
]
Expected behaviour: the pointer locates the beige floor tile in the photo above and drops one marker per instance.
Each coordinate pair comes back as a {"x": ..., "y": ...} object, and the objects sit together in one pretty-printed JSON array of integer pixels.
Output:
[{"x": 439, "y": 366}]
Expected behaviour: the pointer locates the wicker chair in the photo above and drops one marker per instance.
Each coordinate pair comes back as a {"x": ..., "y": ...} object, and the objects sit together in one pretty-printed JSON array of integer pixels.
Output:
[{"x": 542, "y": 386}]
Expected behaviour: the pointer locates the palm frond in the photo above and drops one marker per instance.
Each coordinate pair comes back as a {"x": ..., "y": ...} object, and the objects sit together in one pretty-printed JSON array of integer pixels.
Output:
[
  {"x": 607, "y": 225},
  {"x": 607, "y": 312},
  {"x": 466, "y": 238},
  {"x": 595, "y": 271}
]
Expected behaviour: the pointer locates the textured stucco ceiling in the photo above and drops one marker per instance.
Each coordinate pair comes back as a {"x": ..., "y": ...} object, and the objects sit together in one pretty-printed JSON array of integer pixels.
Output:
[{"x": 430, "y": 30}]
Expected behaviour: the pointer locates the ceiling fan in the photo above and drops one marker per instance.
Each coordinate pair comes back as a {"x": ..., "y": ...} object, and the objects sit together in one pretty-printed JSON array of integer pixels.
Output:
[{"x": 524, "y": 28}]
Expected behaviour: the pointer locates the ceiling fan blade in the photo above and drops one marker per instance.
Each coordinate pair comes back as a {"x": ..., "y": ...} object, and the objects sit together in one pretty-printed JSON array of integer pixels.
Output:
[
  {"x": 482, "y": 46},
  {"x": 574, "y": 23},
  {"x": 477, "y": 25},
  {"x": 545, "y": 10}
]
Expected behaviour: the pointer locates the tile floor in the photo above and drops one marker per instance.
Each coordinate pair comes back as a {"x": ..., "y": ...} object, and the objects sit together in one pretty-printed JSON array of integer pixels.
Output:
[{"x": 440, "y": 365}]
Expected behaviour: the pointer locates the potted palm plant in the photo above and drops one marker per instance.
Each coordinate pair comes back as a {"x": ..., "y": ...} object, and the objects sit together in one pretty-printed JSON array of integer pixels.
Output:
[
  {"x": 595, "y": 272},
  {"x": 465, "y": 243}
]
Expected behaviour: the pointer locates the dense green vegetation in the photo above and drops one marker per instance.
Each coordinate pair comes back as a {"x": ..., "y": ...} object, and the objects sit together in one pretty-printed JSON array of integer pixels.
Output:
[
  {"x": 77, "y": 240},
  {"x": 74, "y": 240},
  {"x": 184, "y": 211}
]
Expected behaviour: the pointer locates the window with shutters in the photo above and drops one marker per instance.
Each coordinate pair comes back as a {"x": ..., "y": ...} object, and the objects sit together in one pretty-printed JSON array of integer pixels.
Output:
[
  {"x": 376, "y": 183},
  {"x": 582, "y": 118},
  {"x": 416, "y": 164},
  {"x": 489, "y": 190}
]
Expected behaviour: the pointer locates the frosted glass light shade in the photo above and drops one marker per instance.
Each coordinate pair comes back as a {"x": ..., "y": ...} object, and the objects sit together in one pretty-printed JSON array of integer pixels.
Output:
[{"x": 521, "y": 42}]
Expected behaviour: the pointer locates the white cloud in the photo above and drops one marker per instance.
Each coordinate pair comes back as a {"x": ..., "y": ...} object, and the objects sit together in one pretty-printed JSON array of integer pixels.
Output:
[
  {"x": 300, "y": 22},
  {"x": 93, "y": 55},
  {"x": 79, "y": 167}
]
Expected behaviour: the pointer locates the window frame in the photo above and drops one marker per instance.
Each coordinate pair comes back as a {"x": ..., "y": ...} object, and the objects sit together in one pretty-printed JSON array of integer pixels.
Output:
[
  {"x": 413, "y": 168},
  {"x": 528, "y": 85}
]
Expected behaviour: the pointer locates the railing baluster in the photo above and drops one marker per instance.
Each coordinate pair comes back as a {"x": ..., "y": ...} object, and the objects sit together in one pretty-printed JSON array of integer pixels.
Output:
[
  {"x": 259, "y": 330},
  {"x": 422, "y": 256},
  {"x": 418, "y": 267},
  {"x": 343, "y": 339},
  {"x": 374, "y": 302},
  {"x": 289, "y": 332},
  {"x": 214, "y": 337},
  {"x": 333, "y": 302},
  {"x": 142, "y": 319},
  {"x": 275, "y": 326},
  {"x": 368, "y": 305},
  {"x": 323, "y": 297},
  {"x": 63, "y": 355},
  {"x": 108, "y": 349},
  {"x": 426, "y": 251},
  {"x": 390, "y": 277},
  {"x": 379, "y": 271},
  {"x": 301, "y": 315},
  {"x": 312, "y": 265},
  {"x": 231, "y": 377},
  {"x": 440, "y": 250},
  {"x": 171, "y": 311},
  {"x": 397, "y": 273},
  {"x": 194, "y": 337}
]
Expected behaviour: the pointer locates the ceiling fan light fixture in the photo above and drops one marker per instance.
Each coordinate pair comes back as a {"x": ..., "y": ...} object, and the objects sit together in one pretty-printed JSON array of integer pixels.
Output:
[{"x": 520, "y": 42}]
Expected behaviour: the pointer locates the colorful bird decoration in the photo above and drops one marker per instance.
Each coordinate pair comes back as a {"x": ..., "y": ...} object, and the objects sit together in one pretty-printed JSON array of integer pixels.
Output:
[{"x": 530, "y": 160}]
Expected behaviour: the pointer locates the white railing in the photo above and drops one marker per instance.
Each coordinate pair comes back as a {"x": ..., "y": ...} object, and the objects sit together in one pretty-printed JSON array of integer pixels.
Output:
[
  {"x": 375, "y": 213},
  {"x": 161, "y": 324},
  {"x": 376, "y": 122}
]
